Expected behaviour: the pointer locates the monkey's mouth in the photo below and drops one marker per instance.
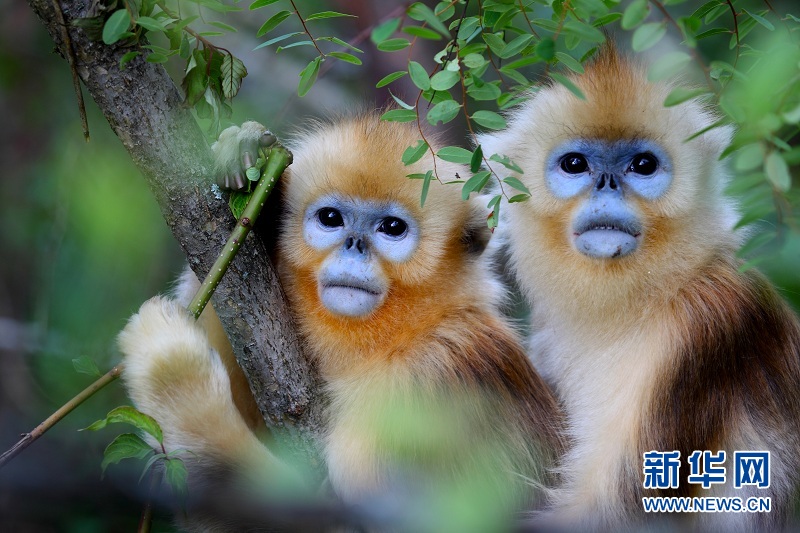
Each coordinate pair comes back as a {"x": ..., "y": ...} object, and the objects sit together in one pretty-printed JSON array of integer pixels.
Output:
[
  {"x": 347, "y": 296},
  {"x": 607, "y": 239},
  {"x": 350, "y": 287},
  {"x": 631, "y": 229}
]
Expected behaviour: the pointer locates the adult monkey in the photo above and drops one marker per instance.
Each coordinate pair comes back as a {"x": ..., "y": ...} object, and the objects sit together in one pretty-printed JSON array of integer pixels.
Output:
[
  {"x": 640, "y": 319},
  {"x": 399, "y": 315}
]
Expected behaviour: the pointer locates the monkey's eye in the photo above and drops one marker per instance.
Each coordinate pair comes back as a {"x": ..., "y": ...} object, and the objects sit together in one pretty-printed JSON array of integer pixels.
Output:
[
  {"x": 644, "y": 164},
  {"x": 574, "y": 163},
  {"x": 393, "y": 227},
  {"x": 330, "y": 217}
]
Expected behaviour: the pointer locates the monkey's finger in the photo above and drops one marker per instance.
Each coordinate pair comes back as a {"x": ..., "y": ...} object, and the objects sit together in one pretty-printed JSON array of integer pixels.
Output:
[{"x": 267, "y": 139}]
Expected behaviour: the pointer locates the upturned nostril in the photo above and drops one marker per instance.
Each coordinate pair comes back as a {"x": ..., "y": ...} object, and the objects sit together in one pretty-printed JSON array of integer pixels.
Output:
[{"x": 348, "y": 243}]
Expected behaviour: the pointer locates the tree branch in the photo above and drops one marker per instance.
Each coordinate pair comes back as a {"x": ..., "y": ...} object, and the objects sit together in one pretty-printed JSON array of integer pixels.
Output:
[{"x": 144, "y": 108}]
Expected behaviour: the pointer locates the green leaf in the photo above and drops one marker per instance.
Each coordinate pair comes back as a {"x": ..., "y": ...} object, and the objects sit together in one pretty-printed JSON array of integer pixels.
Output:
[
  {"x": 474, "y": 60},
  {"x": 648, "y": 35},
  {"x": 494, "y": 217},
  {"x": 150, "y": 462},
  {"x": 635, "y": 14},
  {"x": 584, "y": 31},
  {"x": 599, "y": 22},
  {"x": 792, "y": 116},
  {"x": 273, "y": 22},
  {"x": 216, "y": 5},
  {"x": 126, "y": 414},
  {"x": 156, "y": 58},
  {"x": 175, "y": 475},
  {"x": 124, "y": 60},
  {"x": 399, "y": 115},
  {"x": 426, "y": 183},
  {"x": 518, "y": 198},
  {"x": 444, "y": 79},
  {"x": 487, "y": 91},
  {"x": 125, "y": 446},
  {"x": 308, "y": 76},
  {"x": 293, "y": 45},
  {"x": 344, "y": 56},
  {"x": 150, "y": 24},
  {"x": 279, "y": 39},
  {"x": 421, "y": 12},
  {"x": 340, "y": 42},
  {"x": 508, "y": 163},
  {"x": 566, "y": 82},
  {"x": 514, "y": 182},
  {"x": 419, "y": 75},
  {"x": 237, "y": 200},
  {"x": 712, "y": 31},
  {"x": 570, "y": 62},
  {"x": 455, "y": 154},
  {"x": 261, "y": 3},
  {"x": 386, "y": 80},
  {"x": 385, "y": 30},
  {"x": 253, "y": 174},
  {"x": 516, "y": 45},
  {"x": 489, "y": 119},
  {"x": 475, "y": 183},
  {"x": 223, "y": 26},
  {"x": 777, "y": 171},
  {"x": 401, "y": 102},
  {"x": 85, "y": 365},
  {"x": 443, "y": 112},
  {"x": 668, "y": 66},
  {"x": 423, "y": 33},
  {"x": 477, "y": 159},
  {"x": 393, "y": 45},
  {"x": 761, "y": 20},
  {"x": 231, "y": 75},
  {"x": 682, "y": 94},
  {"x": 749, "y": 157},
  {"x": 546, "y": 48},
  {"x": 412, "y": 154},
  {"x": 116, "y": 25},
  {"x": 328, "y": 15}
]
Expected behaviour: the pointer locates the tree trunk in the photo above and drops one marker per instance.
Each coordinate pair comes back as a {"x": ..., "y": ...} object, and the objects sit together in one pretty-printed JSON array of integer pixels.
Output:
[{"x": 145, "y": 110}]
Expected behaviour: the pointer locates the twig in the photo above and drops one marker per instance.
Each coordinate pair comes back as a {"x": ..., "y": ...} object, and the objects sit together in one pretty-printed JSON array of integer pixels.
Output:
[
  {"x": 277, "y": 161},
  {"x": 70, "y": 55},
  {"x": 305, "y": 29},
  {"x": 28, "y": 438}
]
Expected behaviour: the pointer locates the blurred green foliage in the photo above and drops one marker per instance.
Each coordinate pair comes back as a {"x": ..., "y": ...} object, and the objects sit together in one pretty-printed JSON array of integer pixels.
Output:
[{"x": 82, "y": 242}]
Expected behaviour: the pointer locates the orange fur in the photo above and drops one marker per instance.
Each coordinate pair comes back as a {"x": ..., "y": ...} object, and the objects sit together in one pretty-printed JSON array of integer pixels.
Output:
[
  {"x": 431, "y": 392},
  {"x": 668, "y": 348}
]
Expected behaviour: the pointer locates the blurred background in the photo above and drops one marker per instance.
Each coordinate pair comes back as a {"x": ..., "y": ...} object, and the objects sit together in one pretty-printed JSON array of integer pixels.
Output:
[{"x": 83, "y": 244}]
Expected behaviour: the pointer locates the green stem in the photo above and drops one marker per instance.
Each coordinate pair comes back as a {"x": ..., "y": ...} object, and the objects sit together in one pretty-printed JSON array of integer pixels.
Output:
[
  {"x": 277, "y": 161},
  {"x": 28, "y": 438}
]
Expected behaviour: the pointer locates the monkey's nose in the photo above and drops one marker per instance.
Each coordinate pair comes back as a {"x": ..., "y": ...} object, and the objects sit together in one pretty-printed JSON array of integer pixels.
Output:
[
  {"x": 607, "y": 180},
  {"x": 350, "y": 242}
]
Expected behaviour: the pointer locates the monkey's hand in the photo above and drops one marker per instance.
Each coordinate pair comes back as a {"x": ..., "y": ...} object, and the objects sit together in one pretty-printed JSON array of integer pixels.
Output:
[
  {"x": 236, "y": 150},
  {"x": 173, "y": 374}
]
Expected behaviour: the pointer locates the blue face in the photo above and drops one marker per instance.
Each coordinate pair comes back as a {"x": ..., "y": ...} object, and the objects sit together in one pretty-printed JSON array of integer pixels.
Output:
[
  {"x": 357, "y": 234},
  {"x": 606, "y": 175}
]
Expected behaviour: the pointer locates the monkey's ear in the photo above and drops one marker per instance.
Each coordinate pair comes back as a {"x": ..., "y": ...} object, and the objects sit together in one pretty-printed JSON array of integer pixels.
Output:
[{"x": 476, "y": 231}]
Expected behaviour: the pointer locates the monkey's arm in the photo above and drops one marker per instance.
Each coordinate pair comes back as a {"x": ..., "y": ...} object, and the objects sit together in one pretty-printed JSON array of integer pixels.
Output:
[{"x": 174, "y": 375}]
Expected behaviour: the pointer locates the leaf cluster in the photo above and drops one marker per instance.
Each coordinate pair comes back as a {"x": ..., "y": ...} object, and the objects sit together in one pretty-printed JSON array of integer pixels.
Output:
[
  {"x": 308, "y": 76},
  {"x": 131, "y": 445},
  {"x": 212, "y": 75}
]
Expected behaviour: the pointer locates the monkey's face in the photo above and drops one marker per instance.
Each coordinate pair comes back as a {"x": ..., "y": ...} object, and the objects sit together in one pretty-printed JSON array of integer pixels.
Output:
[
  {"x": 355, "y": 242},
  {"x": 607, "y": 178},
  {"x": 358, "y": 236}
]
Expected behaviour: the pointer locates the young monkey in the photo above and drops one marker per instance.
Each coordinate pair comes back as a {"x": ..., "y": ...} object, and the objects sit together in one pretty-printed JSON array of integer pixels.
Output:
[
  {"x": 429, "y": 390},
  {"x": 652, "y": 338}
]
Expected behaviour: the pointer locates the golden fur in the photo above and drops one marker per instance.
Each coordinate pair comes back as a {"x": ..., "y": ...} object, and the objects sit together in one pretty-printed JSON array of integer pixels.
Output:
[
  {"x": 436, "y": 351},
  {"x": 644, "y": 348}
]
